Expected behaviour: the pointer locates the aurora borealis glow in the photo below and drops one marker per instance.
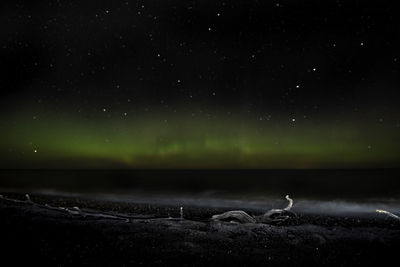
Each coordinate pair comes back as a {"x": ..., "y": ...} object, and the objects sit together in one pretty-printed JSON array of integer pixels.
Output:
[{"x": 150, "y": 142}]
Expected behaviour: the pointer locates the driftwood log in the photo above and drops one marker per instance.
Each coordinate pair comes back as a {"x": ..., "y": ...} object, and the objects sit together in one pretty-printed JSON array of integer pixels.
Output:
[{"x": 271, "y": 216}]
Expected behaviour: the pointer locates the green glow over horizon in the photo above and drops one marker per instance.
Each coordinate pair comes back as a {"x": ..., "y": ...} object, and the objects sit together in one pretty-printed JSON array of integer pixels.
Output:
[{"x": 184, "y": 142}]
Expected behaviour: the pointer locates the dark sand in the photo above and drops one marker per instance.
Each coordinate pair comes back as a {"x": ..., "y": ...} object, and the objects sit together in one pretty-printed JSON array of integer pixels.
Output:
[{"x": 35, "y": 235}]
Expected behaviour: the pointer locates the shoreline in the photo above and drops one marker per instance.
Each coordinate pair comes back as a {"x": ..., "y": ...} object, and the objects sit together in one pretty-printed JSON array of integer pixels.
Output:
[{"x": 53, "y": 237}]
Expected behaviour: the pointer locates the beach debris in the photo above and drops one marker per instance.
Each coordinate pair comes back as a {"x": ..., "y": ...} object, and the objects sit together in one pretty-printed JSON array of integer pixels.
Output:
[
  {"x": 389, "y": 214},
  {"x": 271, "y": 216},
  {"x": 77, "y": 212},
  {"x": 234, "y": 216},
  {"x": 181, "y": 212}
]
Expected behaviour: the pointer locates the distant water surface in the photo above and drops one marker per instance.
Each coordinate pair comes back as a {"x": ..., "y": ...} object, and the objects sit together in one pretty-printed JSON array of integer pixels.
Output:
[{"x": 247, "y": 184}]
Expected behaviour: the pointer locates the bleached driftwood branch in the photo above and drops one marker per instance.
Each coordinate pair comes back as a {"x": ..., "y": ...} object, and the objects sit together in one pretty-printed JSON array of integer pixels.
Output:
[
  {"x": 234, "y": 215},
  {"x": 76, "y": 211},
  {"x": 271, "y": 216},
  {"x": 389, "y": 214}
]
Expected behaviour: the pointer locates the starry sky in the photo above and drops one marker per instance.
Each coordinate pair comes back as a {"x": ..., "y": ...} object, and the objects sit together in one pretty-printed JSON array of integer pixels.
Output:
[{"x": 199, "y": 84}]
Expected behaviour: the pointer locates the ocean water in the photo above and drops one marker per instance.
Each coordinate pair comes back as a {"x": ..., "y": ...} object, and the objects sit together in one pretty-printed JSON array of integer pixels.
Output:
[
  {"x": 318, "y": 191},
  {"x": 311, "y": 184}
]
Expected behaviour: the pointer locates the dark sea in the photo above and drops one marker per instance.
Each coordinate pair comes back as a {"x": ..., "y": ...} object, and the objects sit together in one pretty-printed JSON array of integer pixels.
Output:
[{"x": 329, "y": 191}]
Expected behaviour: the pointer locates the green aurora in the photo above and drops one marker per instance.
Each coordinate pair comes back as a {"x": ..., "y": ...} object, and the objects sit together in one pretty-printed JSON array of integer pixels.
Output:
[{"x": 187, "y": 142}]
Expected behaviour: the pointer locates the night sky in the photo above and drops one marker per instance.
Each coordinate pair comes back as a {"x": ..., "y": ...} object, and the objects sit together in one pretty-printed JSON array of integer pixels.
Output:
[{"x": 199, "y": 84}]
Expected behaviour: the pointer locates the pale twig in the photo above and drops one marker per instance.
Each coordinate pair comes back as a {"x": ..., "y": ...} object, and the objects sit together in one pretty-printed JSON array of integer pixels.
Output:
[
  {"x": 389, "y": 214},
  {"x": 289, "y": 206}
]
